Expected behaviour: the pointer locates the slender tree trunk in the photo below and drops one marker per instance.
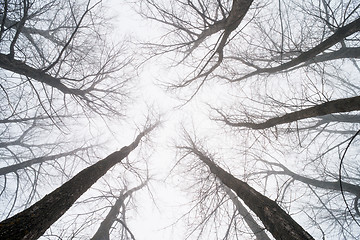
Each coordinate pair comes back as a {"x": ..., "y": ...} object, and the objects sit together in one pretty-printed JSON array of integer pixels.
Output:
[
  {"x": 27, "y": 31},
  {"x": 339, "y": 35},
  {"x": 335, "y": 106},
  {"x": 258, "y": 231},
  {"x": 277, "y": 221},
  {"x": 331, "y": 185},
  {"x": 34, "y": 221},
  {"x": 103, "y": 231},
  {"x": 28, "y": 163},
  {"x": 19, "y": 67},
  {"x": 345, "y": 52}
]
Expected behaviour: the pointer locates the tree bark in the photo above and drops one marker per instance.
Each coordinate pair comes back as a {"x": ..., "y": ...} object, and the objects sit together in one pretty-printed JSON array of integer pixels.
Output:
[
  {"x": 34, "y": 221},
  {"x": 277, "y": 221}
]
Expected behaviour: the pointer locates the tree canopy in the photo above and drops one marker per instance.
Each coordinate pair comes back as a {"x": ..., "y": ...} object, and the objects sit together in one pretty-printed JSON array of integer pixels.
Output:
[{"x": 248, "y": 110}]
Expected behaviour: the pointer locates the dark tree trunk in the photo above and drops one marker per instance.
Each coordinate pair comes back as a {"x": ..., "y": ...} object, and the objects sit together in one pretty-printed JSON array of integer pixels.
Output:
[
  {"x": 335, "y": 106},
  {"x": 339, "y": 35},
  {"x": 19, "y": 67},
  {"x": 103, "y": 231},
  {"x": 331, "y": 185},
  {"x": 28, "y": 163},
  {"x": 277, "y": 221},
  {"x": 258, "y": 231},
  {"x": 34, "y": 221}
]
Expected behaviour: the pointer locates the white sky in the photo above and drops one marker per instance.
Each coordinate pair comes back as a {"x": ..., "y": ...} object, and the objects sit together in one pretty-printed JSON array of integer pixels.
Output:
[{"x": 153, "y": 220}]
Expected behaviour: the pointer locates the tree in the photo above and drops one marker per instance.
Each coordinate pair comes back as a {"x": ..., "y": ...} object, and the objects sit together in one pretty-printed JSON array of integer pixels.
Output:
[
  {"x": 277, "y": 221},
  {"x": 34, "y": 221},
  {"x": 335, "y": 106},
  {"x": 193, "y": 24},
  {"x": 58, "y": 70},
  {"x": 282, "y": 128},
  {"x": 255, "y": 228},
  {"x": 57, "y": 53},
  {"x": 103, "y": 231},
  {"x": 193, "y": 30},
  {"x": 289, "y": 70}
]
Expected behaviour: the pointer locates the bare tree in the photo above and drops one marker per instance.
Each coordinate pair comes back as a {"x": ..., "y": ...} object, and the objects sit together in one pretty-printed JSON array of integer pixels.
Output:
[
  {"x": 276, "y": 220},
  {"x": 191, "y": 24},
  {"x": 57, "y": 52},
  {"x": 324, "y": 185},
  {"x": 258, "y": 231},
  {"x": 34, "y": 221},
  {"x": 291, "y": 69},
  {"x": 335, "y": 106},
  {"x": 103, "y": 232},
  {"x": 310, "y": 56},
  {"x": 57, "y": 71}
]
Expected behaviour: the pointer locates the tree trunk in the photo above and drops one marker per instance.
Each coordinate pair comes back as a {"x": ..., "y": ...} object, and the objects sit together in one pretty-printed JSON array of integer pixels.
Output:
[
  {"x": 28, "y": 163},
  {"x": 331, "y": 185},
  {"x": 335, "y": 106},
  {"x": 103, "y": 231},
  {"x": 277, "y": 221},
  {"x": 339, "y": 35},
  {"x": 19, "y": 67},
  {"x": 34, "y": 221},
  {"x": 258, "y": 231}
]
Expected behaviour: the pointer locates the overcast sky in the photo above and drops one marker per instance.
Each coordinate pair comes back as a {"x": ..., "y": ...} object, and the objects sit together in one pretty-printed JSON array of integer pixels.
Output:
[{"x": 160, "y": 211}]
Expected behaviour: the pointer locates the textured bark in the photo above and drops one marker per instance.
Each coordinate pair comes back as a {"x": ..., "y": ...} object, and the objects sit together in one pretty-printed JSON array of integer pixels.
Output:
[
  {"x": 103, "y": 231},
  {"x": 34, "y": 221},
  {"x": 276, "y": 221},
  {"x": 335, "y": 106},
  {"x": 339, "y": 35},
  {"x": 258, "y": 231}
]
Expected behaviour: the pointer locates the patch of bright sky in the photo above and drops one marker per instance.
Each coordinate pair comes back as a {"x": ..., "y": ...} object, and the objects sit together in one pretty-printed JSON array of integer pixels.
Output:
[{"x": 155, "y": 219}]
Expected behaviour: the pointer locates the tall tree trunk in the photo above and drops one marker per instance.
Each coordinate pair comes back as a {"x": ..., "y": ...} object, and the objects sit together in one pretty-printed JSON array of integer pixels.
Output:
[
  {"x": 258, "y": 231},
  {"x": 335, "y": 106},
  {"x": 19, "y": 67},
  {"x": 339, "y": 35},
  {"x": 37, "y": 160},
  {"x": 277, "y": 221},
  {"x": 331, "y": 185},
  {"x": 103, "y": 231},
  {"x": 34, "y": 221}
]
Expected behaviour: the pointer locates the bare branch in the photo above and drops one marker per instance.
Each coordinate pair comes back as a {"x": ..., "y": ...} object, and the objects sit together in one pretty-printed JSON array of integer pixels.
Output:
[{"x": 335, "y": 106}]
